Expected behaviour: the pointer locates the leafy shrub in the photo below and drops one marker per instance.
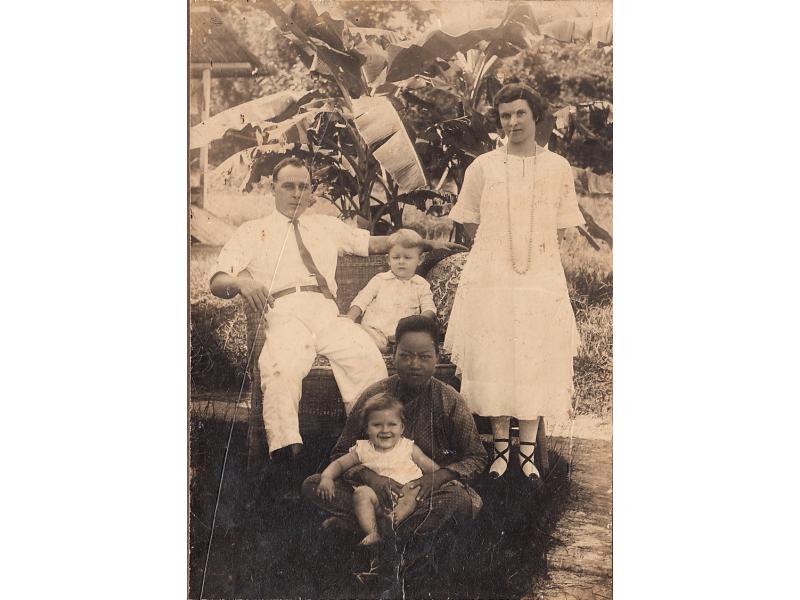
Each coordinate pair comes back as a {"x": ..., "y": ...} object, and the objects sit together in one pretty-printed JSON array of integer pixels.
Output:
[{"x": 219, "y": 345}]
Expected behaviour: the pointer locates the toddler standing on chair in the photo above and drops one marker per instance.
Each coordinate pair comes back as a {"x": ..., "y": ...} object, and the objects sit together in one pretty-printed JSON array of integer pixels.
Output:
[
  {"x": 394, "y": 294},
  {"x": 387, "y": 453}
]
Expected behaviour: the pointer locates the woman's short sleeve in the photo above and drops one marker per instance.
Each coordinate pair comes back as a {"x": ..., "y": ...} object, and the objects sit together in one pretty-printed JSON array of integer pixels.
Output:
[
  {"x": 569, "y": 215},
  {"x": 468, "y": 205}
]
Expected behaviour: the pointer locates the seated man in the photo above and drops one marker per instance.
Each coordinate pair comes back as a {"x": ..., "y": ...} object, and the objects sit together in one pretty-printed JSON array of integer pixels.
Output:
[
  {"x": 440, "y": 424},
  {"x": 284, "y": 266}
]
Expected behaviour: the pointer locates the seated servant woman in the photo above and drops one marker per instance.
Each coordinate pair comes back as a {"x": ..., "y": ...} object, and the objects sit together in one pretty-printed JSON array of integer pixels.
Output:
[{"x": 442, "y": 427}]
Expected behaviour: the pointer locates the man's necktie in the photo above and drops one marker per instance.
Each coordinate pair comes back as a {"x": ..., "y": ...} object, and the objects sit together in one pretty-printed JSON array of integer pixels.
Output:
[{"x": 309, "y": 262}]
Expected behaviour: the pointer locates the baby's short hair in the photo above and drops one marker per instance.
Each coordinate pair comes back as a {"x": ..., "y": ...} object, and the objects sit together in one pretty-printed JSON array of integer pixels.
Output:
[
  {"x": 381, "y": 401},
  {"x": 407, "y": 238}
]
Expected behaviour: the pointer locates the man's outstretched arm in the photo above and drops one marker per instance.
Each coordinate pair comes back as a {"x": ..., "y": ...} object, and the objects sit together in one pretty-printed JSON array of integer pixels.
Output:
[{"x": 378, "y": 244}]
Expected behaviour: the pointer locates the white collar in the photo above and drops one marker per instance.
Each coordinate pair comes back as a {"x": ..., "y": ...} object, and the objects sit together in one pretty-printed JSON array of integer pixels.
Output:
[
  {"x": 279, "y": 217},
  {"x": 388, "y": 275}
]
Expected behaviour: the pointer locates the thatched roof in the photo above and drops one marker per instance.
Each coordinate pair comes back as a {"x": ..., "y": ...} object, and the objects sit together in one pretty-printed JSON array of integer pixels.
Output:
[{"x": 212, "y": 45}]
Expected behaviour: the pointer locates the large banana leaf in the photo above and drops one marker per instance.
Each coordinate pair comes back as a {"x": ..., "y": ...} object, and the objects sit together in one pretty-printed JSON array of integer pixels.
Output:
[
  {"x": 292, "y": 130},
  {"x": 330, "y": 45},
  {"x": 239, "y": 169},
  {"x": 377, "y": 122},
  {"x": 248, "y": 166},
  {"x": 274, "y": 107},
  {"x": 589, "y": 29},
  {"x": 411, "y": 58},
  {"x": 507, "y": 33}
]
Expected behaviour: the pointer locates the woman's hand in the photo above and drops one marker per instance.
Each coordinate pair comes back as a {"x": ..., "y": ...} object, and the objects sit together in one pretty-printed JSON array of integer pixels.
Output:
[
  {"x": 470, "y": 229},
  {"x": 387, "y": 489},
  {"x": 326, "y": 488}
]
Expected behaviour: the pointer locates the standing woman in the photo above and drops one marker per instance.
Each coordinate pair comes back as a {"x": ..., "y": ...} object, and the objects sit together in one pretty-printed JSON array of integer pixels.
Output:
[{"x": 512, "y": 332}]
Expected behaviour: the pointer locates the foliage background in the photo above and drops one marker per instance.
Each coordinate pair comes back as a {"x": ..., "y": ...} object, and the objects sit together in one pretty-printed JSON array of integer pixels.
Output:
[{"x": 564, "y": 73}]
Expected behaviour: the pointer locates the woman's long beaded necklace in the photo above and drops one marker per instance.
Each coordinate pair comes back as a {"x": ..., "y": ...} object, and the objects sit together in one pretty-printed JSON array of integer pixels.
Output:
[{"x": 508, "y": 206}]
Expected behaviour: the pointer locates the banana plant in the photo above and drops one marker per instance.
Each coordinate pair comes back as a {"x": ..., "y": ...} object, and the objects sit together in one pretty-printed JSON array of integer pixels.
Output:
[
  {"x": 367, "y": 160},
  {"x": 461, "y": 65}
]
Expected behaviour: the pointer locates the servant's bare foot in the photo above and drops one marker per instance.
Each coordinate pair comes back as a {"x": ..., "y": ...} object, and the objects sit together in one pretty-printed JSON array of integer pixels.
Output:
[
  {"x": 370, "y": 538},
  {"x": 406, "y": 504},
  {"x": 331, "y": 523},
  {"x": 337, "y": 525}
]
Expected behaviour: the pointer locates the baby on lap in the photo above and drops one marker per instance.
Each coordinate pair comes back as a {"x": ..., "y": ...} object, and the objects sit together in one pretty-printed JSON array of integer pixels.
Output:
[
  {"x": 394, "y": 294},
  {"x": 387, "y": 453}
]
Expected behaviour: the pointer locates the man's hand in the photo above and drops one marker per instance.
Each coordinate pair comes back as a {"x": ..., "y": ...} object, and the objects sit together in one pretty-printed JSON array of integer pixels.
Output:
[
  {"x": 431, "y": 482},
  {"x": 326, "y": 489},
  {"x": 386, "y": 488},
  {"x": 449, "y": 246},
  {"x": 255, "y": 293}
]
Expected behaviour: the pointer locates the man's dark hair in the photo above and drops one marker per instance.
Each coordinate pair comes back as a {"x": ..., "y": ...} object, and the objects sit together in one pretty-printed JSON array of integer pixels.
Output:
[
  {"x": 520, "y": 91},
  {"x": 416, "y": 323},
  {"x": 291, "y": 161}
]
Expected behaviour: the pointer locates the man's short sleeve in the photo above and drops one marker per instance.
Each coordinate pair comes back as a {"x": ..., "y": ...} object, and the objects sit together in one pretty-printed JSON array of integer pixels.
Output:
[
  {"x": 237, "y": 252},
  {"x": 349, "y": 239}
]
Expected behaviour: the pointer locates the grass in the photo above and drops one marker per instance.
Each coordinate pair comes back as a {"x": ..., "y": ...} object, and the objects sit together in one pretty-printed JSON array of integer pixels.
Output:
[
  {"x": 593, "y": 368},
  {"x": 264, "y": 547}
]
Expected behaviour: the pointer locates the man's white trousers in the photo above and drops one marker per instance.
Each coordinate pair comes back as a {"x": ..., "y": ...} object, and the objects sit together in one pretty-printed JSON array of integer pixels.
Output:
[{"x": 300, "y": 326}]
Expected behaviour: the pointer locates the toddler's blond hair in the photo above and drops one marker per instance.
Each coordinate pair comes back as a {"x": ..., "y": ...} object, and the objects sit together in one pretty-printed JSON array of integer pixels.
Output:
[{"x": 407, "y": 238}]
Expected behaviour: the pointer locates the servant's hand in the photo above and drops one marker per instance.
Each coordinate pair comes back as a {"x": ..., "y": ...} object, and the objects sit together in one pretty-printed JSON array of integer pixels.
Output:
[
  {"x": 326, "y": 488},
  {"x": 428, "y": 483},
  {"x": 386, "y": 488},
  {"x": 256, "y": 294}
]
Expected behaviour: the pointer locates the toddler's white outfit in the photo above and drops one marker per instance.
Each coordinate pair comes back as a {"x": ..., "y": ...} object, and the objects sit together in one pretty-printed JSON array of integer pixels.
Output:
[
  {"x": 396, "y": 464},
  {"x": 386, "y": 299}
]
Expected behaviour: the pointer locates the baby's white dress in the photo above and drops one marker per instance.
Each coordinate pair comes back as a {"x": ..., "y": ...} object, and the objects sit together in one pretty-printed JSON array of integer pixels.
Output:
[
  {"x": 396, "y": 463},
  {"x": 513, "y": 336}
]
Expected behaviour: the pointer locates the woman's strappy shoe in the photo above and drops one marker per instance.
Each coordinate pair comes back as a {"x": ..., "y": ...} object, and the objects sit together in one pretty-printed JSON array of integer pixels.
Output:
[
  {"x": 528, "y": 459},
  {"x": 494, "y": 472}
]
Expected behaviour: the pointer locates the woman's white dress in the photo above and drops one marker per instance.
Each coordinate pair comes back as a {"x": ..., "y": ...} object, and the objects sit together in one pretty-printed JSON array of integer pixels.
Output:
[{"x": 513, "y": 336}]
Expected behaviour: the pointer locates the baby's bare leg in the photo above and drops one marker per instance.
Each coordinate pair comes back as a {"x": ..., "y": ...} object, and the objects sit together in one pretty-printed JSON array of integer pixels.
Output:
[
  {"x": 406, "y": 504},
  {"x": 365, "y": 502}
]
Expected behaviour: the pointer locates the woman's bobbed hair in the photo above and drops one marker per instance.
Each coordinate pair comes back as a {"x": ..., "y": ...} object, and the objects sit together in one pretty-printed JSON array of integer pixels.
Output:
[{"x": 519, "y": 91}]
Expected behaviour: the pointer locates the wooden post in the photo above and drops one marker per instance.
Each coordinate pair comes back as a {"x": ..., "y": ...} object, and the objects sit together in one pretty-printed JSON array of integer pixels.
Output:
[{"x": 206, "y": 113}]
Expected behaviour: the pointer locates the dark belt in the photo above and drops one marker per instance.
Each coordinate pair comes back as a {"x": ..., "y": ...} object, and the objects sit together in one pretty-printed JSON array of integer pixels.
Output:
[{"x": 297, "y": 288}]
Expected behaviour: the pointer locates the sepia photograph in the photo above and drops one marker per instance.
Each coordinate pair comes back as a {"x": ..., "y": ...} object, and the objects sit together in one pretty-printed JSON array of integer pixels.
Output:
[
  {"x": 343, "y": 299},
  {"x": 400, "y": 247}
]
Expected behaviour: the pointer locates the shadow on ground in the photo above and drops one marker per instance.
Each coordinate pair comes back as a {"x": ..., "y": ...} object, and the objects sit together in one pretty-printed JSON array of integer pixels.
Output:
[{"x": 265, "y": 546}]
